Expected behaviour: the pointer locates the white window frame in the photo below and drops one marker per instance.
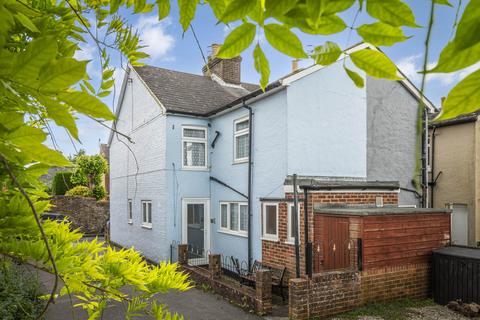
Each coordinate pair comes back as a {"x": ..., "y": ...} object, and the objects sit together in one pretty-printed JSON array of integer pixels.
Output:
[
  {"x": 265, "y": 235},
  {"x": 239, "y": 133},
  {"x": 229, "y": 226},
  {"x": 290, "y": 237},
  {"x": 195, "y": 140},
  {"x": 130, "y": 211},
  {"x": 145, "y": 223}
]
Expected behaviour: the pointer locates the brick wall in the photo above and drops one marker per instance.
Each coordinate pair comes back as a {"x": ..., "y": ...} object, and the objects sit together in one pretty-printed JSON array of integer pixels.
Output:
[
  {"x": 85, "y": 213},
  {"x": 282, "y": 253},
  {"x": 334, "y": 292}
]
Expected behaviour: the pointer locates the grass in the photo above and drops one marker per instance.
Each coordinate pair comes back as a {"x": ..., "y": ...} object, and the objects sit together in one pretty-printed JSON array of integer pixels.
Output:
[{"x": 396, "y": 310}]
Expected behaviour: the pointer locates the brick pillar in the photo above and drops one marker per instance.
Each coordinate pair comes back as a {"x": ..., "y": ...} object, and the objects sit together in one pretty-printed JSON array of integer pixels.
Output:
[
  {"x": 183, "y": 254},
  {"x": 297, "y": 299},
  {"x": 263, "y": 294},
  {"x": 215, "y": 265}
]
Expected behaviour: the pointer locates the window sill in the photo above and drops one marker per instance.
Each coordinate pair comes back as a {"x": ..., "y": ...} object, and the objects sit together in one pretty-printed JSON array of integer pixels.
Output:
[
  {"x": 291, "y": 242},
  {"x": 144, "y": 226},
  {"x": 240, "y": 161},
  {"x": 195, "y": 169},
  {"x": 130, "y": 222},
  {"x": 231, "y": 233},
  {"x": 269, "y": 239}
]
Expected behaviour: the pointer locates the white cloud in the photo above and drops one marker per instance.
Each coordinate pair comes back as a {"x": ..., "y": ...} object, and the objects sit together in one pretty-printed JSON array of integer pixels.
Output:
[
  {"x": 154, "y": 36},
  {"x": 86, "y": 52},
  {"x": 412, "y": 64}
]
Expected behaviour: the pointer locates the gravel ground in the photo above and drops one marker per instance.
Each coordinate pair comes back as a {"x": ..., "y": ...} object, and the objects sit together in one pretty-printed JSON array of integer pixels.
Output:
[{"x": 435, "y": 312}]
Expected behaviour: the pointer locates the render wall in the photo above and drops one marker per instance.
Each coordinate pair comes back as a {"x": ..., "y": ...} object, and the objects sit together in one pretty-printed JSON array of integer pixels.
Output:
[
  {"x": 391, "y": 135},
  {"x": 139, "y": 173},
  {"x": 455, "y": 158}
]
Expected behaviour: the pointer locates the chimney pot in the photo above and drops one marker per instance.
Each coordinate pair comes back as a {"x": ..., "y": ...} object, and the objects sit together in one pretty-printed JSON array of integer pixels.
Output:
[{"x": 294, "y": 65}]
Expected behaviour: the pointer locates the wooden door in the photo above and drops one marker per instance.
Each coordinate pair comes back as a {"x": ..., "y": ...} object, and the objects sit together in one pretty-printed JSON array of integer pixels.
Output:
[{"x": 331, "y": 243}]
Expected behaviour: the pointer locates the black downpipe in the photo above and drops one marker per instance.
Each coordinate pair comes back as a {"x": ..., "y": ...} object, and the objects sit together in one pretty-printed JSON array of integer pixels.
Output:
[
  {"x": 308, "y": 244},
  {"x": 295, "y": 224},
  {"x": 249, "y": 193}
]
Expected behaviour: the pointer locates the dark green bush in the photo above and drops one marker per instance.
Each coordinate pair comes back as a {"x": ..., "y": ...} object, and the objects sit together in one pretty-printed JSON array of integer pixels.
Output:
[
  {"x": 99, "y": 192},
  {"x": 61, "y": 183},
  {"x": 19, "y": 293}
]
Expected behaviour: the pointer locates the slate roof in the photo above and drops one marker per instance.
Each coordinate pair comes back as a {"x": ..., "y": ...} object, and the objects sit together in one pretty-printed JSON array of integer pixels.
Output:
[{"x": 187, "y": 93}]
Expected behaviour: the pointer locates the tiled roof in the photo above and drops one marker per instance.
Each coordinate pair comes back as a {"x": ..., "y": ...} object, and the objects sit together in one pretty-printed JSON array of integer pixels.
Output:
[{"x": 187, "y": 93}]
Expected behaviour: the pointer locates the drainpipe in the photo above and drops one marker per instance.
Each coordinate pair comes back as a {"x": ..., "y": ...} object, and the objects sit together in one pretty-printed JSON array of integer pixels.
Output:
[
  {"x": 249, "y": 192},
  {"x": 432, "y": 141}
]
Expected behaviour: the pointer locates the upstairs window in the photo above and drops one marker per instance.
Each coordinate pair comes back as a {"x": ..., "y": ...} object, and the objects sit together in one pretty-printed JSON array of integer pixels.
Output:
[
  {"x": 129, "y": 212},
  {"x": 234, "y": 217},
  {"x": 147, "y": 214},
  {"x": 241, "y": 139},
  {"x": 194, "y": 147}
]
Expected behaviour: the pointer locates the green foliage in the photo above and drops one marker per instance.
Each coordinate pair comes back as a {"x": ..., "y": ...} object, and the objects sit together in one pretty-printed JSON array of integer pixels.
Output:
[
  {"x": 88, "y": 172},
  {"x": 237, "y": 41},
  {"x": 375, "y": 64},
  {"x": 327, "y": 54},
  {"x": 261, "y": 65},
  {"x": 19, "y": 293},
  {"x": 61, "y": 183},
  {"x": 79, "y": 191},
  {"x": 99, "y": 192},
  {"x": 284, "y": 40},
  {"x": 381, "y": 34}
]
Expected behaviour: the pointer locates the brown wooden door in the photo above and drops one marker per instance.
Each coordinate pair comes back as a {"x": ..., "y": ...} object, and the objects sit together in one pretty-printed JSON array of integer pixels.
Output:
[{"x": 331, "y": 243}]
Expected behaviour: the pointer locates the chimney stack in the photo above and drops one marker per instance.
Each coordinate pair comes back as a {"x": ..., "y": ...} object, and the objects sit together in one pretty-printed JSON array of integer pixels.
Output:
[
  {"x": 294, "y": 65},
  {"x": 227, "y": 69}
]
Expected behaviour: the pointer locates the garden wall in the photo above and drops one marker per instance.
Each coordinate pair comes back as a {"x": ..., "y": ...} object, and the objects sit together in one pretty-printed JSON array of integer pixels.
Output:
[{"x": 87, "y": 214}]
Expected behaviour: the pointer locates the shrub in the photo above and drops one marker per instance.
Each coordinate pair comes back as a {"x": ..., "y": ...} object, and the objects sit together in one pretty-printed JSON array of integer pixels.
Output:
[
  {"x": 19, "y": 293},
  {"x": 99, "y": 192},
  {"x": 80, "y": 191},
  {"x": 61, "y": 183}
]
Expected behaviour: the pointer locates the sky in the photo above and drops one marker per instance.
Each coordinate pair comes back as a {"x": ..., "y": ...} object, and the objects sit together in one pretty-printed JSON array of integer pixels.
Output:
[{"x": 170, "y": 48}]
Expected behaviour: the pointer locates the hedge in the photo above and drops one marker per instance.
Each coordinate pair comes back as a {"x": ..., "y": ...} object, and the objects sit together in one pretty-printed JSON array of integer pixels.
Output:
[{"x": 61, "y": 183}]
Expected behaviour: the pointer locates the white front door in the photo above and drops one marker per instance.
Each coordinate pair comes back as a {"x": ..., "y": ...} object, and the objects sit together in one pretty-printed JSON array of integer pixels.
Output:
[
  {"x": 196, "y": 226},
  {"x": 460, "y": 224}
]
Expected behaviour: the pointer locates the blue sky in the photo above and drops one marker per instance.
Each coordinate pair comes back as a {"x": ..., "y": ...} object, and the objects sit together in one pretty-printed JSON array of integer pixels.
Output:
[{"x": 170, "y": 48}]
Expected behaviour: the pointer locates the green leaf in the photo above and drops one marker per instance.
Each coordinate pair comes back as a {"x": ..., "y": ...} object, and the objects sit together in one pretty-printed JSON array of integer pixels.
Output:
[
  {"x": 394, "y": 12},
  {"x": 261, "y": 66},
  {"x": 468, "y": 29},
  {"x": 237, "y": 41},
  {"x": 103, "y": 94},
  {"x": 218, "y": 7},
  {"x": 326, "y": 54},
  {"x": 61, "y": 74},
  {"x": 163, "y": 9},
  {"x": 86, "y": 104},
  {"x": 375, "y": 64},
  {"x": 356, "y": 78},
  {"x": 107, "y": 74},
  {"x": 319, "y": 8},
  {"x": 26, "y": 22},
  {"x": 61, "y": 115},
  {"x": 279, "y": 7},
  {"x": 463, "y": 98},
  {"x": 443, "y": 2},
  {"x": 381, "y": 34},
  {"x": 237, "y": 9},
  {"x": 107, "y": 84},
  {"x": 325, "y": 25},
  {"x": 284, "y": 40},
  {"x": 187, "y": 12},
  {"x": 37, "y": 53},
  {"x": 452, "y": 59}
]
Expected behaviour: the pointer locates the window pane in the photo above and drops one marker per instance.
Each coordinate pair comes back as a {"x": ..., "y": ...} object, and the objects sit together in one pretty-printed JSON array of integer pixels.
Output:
[
  {"x": 241, "y": 146},
  {"x": 194, "y": 154},
  {"x": 241, "y": 125},
  {"x": 224, "y": 213},
  {"x": 234, "y": 216},
  {"x": 271, "y": 220},
  {"x": 144, "y": 212},
  {"x": 193, "y": 133},
  {"x": 149, "y": 216},
  {"x": 243, "y": 218}
]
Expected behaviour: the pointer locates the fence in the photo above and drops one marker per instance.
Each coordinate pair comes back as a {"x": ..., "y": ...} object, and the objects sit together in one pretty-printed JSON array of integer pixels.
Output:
[
  {"x": 236, "y": 269},
  {"x": 337, "y": 255},
  {"x": 196, "y": 256}
]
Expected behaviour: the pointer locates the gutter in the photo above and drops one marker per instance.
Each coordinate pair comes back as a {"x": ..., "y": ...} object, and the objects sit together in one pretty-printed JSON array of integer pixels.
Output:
[{"x": 451, "y": 122}]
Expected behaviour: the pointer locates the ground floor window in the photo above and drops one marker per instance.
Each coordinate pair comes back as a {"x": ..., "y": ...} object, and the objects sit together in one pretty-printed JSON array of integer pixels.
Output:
[
  {"x": 270, "y": 221},
  {"x": 291, "y": 225},
  {"x": 147, "y": 214},
  {"x": 129, "y": 212},
  {"x": 234, "y": 217}
]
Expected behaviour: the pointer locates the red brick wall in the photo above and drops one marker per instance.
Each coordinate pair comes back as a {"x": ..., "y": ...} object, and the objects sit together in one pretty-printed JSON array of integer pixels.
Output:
[{"x": 279, "y": 253}]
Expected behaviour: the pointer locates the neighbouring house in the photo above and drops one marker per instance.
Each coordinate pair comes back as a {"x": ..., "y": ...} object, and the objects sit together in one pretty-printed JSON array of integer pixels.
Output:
[
  {"x": 212, "y": 158},
  {"x": 455, "y": 174}
]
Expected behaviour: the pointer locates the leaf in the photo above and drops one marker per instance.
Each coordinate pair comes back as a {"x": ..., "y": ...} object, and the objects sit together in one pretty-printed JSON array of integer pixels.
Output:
[
  {"x": 86, "y": 104},
  {"x": 468, "y": 29},
  {"x": 261, "y": 66},
  {"x": 237, "y": 9},
  {"x": 26, "y": 22},
  {"x": 37, "y": 53},
  {"x": 237, "y": 41},
  {"x": 61, "y": 115},
  {"x": 103, "y": 94},
  {"x": 452, "y": 59},
  {"x": 319, "y": 8},
  {"x": 284, "y": 40},
  {"x": 187, "y": 12},
  {"x": 107, "y": 74},
  {"x": 326, "y": 54},
  {"x": 375, "y": 64},
  {"x": 218, "y": 7},
  {"x": 381, "y": 34},
  {"x": 279, "y": 7},
  {"x": 326, "y": 25},
  {"x": 356, "y": 78},
  {"x": 394, "y": 12},
  {"x": 463, "y": 98},
  {"x": 163, "y": 9},
  {"x": 107, "y": 84},
  {"x": 443, "y": 2},
  {"x": 61, "y": 74}
]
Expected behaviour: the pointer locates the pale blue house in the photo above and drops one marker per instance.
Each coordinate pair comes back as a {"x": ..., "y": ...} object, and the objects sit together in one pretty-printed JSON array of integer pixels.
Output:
[{"x": 185, "y": 174}]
